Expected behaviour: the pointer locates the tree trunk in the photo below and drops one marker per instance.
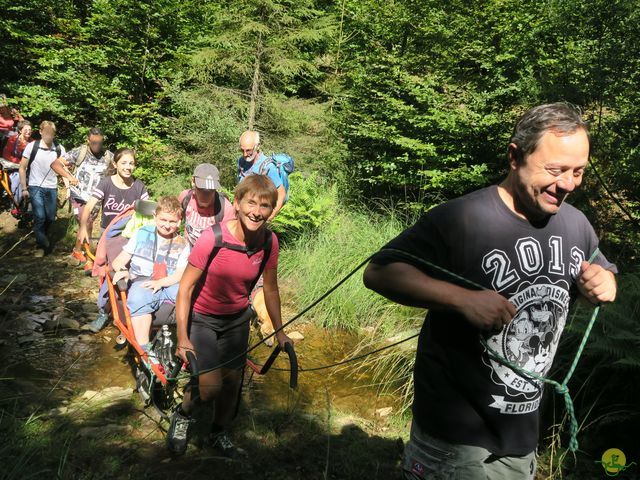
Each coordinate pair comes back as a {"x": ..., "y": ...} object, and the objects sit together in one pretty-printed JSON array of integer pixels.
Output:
[{"x": 255, "y": 85}]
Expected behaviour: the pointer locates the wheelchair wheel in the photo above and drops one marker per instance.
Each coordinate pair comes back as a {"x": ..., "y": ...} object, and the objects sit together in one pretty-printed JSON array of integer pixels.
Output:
[{"x": 142, "y": 386}]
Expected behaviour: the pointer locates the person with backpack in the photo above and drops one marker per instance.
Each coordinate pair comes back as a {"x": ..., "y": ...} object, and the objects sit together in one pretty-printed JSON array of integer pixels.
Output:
[
  {"x": 12, "y": 152},
  {"x": 277, "y": 166},
  {"x": 204, "y": 204},
  {"x": 89, "y": 163},
  {"x": 213, "y": 312},
  {"x": 40, "y": 183}
]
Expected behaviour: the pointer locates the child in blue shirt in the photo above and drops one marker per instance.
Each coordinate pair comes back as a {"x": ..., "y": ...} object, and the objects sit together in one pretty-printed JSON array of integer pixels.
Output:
[{"x": 157, "y": 257}]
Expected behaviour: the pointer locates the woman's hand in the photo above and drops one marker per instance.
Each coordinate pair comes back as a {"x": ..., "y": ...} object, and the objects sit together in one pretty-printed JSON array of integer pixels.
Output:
[
  {"x": 184, "y": 346},
  {"x": 282, "y": 339}
]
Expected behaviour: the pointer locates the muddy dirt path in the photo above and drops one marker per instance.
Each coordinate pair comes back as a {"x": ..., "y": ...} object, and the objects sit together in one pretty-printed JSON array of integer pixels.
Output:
[{"x": 68, "y": 407}]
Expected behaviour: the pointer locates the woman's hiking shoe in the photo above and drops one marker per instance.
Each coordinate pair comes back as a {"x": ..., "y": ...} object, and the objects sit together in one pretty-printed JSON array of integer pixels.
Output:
[
  {"x": 178, "y": 433},
  {"x": 223, "y": 444},
  {"x": 99, "y": 323}
]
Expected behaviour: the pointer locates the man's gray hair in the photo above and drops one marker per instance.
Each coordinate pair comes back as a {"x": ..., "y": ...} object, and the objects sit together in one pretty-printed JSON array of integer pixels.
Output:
[
  {"x": 562, "y": 118},
  {"x": 251, "y": 134}
]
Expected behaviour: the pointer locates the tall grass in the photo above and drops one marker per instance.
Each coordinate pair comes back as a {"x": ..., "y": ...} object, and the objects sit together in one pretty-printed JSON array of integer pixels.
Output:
[
  {"x": 391, "y": 370},
  {"x": 317, "y": 260},
  {"x": 320, "y": 254}
]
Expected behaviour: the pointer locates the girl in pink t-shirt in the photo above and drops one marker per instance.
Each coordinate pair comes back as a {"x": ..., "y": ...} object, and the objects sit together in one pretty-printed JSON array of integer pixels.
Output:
[{"x": 224, "y": 265}]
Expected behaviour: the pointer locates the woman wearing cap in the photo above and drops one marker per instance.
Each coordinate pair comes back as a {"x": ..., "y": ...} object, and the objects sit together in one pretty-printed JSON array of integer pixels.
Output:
[
  {"x": 215, "y": 326},
  {"x": 204, "y": 204}
]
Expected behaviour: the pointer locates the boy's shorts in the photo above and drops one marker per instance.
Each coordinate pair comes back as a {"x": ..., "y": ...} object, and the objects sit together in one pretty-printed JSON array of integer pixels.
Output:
[
  {"x": 78, "y": 206},
  {"x": 141, "y": 300}
]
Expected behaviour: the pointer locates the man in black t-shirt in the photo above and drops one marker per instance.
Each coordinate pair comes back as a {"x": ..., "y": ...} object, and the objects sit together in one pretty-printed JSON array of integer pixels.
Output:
[{"x": 472, "y": 415}]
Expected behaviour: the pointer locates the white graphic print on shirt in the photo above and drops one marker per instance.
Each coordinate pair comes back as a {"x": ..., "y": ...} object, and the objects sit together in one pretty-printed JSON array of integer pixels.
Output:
[
  {"x": 531, "y": 338},
  {"x": 89, "y": 175}
]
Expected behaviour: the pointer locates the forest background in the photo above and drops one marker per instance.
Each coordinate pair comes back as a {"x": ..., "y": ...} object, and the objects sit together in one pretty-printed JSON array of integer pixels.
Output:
[{"x": 389, "y": 108}]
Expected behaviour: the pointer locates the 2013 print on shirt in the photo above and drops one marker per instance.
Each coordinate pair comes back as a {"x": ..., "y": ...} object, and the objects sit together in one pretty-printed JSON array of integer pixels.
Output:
[{"x": 530, "y": 340}]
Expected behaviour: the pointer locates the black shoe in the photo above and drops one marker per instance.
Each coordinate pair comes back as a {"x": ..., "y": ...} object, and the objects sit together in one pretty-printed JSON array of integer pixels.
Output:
[
  {"x": 178, "y": 433},
  {"x": 223, "y": 444}
]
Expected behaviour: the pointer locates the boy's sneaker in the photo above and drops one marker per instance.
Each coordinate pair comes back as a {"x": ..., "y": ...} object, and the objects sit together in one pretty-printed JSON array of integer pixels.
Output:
[
  {"x": 99, "y": 323},
  {"x": 39, "y": 253},
  {"x": 222, "y": 443},
  {"x": 178, "y": 433}
]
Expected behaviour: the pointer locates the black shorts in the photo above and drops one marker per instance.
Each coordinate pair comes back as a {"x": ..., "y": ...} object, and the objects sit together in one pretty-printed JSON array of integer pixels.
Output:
[{"x": 220, "y": 340}]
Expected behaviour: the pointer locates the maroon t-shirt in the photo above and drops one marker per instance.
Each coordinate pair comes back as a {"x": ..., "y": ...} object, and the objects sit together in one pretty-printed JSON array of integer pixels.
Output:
[
  {"x": 228, "y": 281},
  {"x": 13, "y": 149}
]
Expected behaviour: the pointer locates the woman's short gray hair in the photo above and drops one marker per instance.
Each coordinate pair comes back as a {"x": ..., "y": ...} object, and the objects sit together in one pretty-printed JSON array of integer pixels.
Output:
[{"x": 560, "y": 117}]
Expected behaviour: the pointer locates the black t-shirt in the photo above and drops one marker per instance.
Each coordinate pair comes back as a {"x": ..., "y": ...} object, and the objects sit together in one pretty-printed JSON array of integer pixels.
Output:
[
  {"x": 115, "y": 200},
  {"x": 461, "y": 395}
]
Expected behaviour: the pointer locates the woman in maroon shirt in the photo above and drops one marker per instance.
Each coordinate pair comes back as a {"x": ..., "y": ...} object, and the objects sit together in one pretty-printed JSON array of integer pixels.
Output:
[
  {"x": 17, "y": 142},
  {"x": 12, "y": 151},
  {"x": 215, "y": 326}
]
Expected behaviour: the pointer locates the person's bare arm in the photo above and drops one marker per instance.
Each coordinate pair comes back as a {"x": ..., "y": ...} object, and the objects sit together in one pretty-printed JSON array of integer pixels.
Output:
[
  {"x": 121, "y": 261},
  {"x": 59, "y": 167},
  {"x": 272, "y": 302},
  {"x": 282, "y": 194},
  {"x": 407, "y": 285},
  {"x": 188, "y": 282},
  {"x": 167, "y": 281},
  {"x": 22, "y": 172}
]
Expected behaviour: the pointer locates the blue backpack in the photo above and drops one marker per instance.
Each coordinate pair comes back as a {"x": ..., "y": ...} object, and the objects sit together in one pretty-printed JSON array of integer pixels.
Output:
[{"x": 284, "y": 166}]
